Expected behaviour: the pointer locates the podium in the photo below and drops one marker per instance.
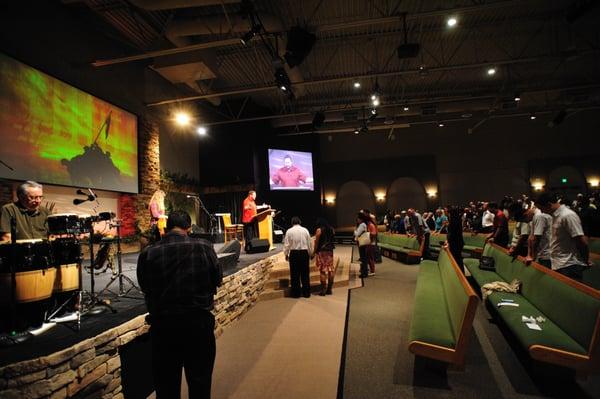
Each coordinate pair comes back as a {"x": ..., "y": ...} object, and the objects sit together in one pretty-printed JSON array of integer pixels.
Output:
[{"x": 264, "y": 220}]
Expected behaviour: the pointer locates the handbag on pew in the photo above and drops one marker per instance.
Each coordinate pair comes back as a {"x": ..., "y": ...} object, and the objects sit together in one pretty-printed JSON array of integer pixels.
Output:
[
  {"x": 487, "y": 263},
  {"x": 364, "y": 239}
]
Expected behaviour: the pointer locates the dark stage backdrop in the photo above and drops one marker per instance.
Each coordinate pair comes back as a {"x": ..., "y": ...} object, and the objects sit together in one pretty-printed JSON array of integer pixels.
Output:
[{"x": 57, "y": 134}]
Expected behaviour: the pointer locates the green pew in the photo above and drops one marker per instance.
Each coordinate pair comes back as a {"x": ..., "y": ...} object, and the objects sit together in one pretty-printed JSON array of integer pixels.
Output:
[
  {"x": 570, "y": 335},
  {"x": 594, "y": 243},
  {"x": 443, "y": 313},
  {"x": 400, "y": 247},
  {"x": 434, "y": 242},
  {"x": 474, "y": 243}
]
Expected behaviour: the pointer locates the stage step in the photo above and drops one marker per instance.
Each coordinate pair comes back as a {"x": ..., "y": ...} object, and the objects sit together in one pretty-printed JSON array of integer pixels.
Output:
[{"x": 278, "y": 284}]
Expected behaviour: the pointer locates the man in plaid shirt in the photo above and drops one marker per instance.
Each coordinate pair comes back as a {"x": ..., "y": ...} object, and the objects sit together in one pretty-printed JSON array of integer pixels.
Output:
[{"x": 179, "y": 276}]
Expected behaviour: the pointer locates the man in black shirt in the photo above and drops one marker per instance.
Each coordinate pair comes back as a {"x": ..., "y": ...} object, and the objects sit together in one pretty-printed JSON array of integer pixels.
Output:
[{"x": 179, "y": 276}]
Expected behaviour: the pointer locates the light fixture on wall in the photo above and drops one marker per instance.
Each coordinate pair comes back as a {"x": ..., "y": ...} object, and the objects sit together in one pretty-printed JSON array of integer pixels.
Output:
[
  {"x": 380, "y": 196},
  {"x": 431, "y": 192},
  {"x": 594, "y": 182},
  {"x": 329, "y": 199},
  {"x": 537, "y": 184}
]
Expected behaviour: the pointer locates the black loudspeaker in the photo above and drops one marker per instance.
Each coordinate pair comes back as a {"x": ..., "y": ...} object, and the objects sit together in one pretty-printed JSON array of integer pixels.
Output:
[
  {"x": 232, "y": 246},
  {"x": 278, "y": 236},
  {"x": 258, "y": 245}
]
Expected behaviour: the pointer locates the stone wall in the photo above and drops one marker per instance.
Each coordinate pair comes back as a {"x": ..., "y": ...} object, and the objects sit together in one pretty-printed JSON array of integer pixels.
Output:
[{"x": 92, "y": 368}]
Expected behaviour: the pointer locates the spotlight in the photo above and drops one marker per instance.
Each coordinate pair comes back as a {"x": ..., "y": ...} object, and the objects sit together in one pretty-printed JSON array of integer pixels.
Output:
[
  {"x": 202, "y": 130},
  {"x": 373, "y": 115},
  {"x": 441, "y": 124},
  {"x": 357, "y": 85},
  {"x": 376, "y": 102},
  {"x": 282, "y": 79},
  {"x": 491, "y": 71},
  {"x": 356, "y": 131},
  {"x": 517, "y": 97},
  {"x": 182, "y": 119},
  {"x": 405, "y": 108},
  {"x": 374, "y": 111},
  {"x": 532, "y": 117},
  {"x": 451, "y": 22},
  {"x": 373, "y": 97}
]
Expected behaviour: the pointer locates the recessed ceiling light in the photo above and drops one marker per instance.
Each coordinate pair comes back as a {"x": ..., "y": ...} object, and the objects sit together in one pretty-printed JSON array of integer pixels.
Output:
[
  {"x": 357, "y": 85},
  {"x": 441, "y": 124},
  {"x": 201, "y": 130},
  {"x": 517, "y": 97},
  {"x": 491, "y": 71},
  {"x": 356, "y": 131},
  {"x": 451, "y": 22},
  {"x": 405, "y": 108},
  {"x": 532, "y": 117},
  {"x": 182, "y": 118}
]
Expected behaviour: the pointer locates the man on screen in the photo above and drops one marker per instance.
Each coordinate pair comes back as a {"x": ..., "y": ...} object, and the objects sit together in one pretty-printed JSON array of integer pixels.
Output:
[{"x": 288, "y": 175}]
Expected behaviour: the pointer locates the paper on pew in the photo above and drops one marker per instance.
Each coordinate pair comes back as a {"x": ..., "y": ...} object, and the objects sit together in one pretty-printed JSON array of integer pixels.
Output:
[
  {"x": 507, "y": 304},
  {"x": 534, "y": 326}
]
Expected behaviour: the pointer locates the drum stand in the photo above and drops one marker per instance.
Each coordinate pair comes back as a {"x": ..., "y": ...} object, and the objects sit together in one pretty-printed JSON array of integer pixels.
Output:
[
  {"x": 90, "y": 305},
  {"x": 120, "y": 275}
]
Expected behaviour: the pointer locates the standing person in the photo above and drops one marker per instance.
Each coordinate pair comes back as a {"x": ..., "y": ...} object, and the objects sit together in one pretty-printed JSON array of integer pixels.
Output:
[
  {"x": 324, "y": 245},
  {"x": 365, "y": 248},
  {"x": 441, "y": 222},
  {"x": 487, "y": 219},
  {"x": 30, "y": 217},
  {"x": 499, "y": 233},
  {"x": 519, "y": 245},
  {"x": 297, "y": 247},
  {"x": 455, "y": 238},
  {"x": 179, "y": 276},
  {"x": 538, "y": 247},
  {"x": 158, "y": 218},
  {"x": 248, "y": 213},
  {"x": 569, "y": 251},
  {"x": 419, "y": 229}
]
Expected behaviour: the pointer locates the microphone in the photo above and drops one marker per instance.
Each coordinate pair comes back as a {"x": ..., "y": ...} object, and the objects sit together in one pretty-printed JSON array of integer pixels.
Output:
[
  {"x": 81, "y": 192},
  {"x": 78, "y": 201},
  {"x": 92, "y": 194}
]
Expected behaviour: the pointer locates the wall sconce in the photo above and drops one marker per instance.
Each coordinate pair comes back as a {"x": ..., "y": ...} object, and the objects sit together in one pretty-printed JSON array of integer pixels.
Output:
[
  {"x": 330, "y": 200},
  {"x": 594, "y": 181},
  {"x": 431, "y": 192},
  {"x": 380, "y": 196},
  {"x": 538, "y": 185}
]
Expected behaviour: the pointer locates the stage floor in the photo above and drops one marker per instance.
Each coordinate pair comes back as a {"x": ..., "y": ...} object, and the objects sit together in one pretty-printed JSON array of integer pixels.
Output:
[{"x": 63, "y": 335}]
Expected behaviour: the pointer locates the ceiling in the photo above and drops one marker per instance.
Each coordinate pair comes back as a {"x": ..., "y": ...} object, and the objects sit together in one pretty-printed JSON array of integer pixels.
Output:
[{"x": 548, "y": 51}]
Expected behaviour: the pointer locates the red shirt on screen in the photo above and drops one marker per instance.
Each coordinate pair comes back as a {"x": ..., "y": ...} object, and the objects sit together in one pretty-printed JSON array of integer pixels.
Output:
[
  {"x": 249, "y": 209},
  {"x": 289, "y": 177}
]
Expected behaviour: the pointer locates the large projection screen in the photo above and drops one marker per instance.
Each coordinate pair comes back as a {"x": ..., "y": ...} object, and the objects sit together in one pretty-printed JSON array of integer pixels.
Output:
[{"x": 54, "y": 133}]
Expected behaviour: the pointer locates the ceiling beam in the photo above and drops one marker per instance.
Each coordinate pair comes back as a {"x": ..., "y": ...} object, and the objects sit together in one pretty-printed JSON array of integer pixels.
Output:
[{"x": 548, "y": 58}]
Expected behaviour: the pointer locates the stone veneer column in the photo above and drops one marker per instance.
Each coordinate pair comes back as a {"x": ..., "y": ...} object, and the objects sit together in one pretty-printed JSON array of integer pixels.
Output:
[{"x": 134, "y": 208}]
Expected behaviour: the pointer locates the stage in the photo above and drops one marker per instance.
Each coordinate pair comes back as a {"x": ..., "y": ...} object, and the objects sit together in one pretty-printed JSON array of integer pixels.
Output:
[{"x": 126, "y": 308}]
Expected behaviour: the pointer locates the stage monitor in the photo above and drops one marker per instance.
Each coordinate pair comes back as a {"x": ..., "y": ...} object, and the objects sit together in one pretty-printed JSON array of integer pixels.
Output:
[
  {"x": 290, "y": 170},
  {"x": 57, "y": 134}
]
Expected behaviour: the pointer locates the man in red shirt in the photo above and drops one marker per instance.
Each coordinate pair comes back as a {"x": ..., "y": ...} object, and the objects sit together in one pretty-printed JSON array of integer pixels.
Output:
[
  {"x": 288, "y": 175},
  {"x": 500, "y": 233},
  {"x": 248, "y": 213}
]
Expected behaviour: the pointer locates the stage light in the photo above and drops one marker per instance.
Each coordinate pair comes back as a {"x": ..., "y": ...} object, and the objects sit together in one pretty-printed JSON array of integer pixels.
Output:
[
  {"x": 441, "y": 124},
  {"x": 405, "y": 108},
  {"x": 282, "y": 79},
  {"x": 376, "y": 102},
  {"x": 374, "y": 111},
  {"x": 356, "y": 131},
  {"x": 491, "y": 71},
  {"x": 357, "y": 85},
  {"x": 182, "y": 118},
  {"x": 202, "y": 130},
  {"x": 532, "y": 117},
  {"x": 517, "y": 97},
  {"x": 451, "y": 22},
  {"x": 373, "y": 97}
]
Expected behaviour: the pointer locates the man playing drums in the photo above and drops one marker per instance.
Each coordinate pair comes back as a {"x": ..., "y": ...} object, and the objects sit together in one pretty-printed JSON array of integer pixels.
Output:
[{"x": 30, "y": 217}]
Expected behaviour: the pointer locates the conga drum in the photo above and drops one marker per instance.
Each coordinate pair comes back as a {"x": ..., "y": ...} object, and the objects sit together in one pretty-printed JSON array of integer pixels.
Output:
[
  {"x": 66, "y": 253},
  {"x": 34, "y": 273}
]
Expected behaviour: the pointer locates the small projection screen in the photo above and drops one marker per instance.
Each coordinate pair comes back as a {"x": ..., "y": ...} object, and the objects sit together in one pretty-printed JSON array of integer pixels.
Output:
[
  {"x": 290, "y": 170},
  {"x": 54, "y": 133}
]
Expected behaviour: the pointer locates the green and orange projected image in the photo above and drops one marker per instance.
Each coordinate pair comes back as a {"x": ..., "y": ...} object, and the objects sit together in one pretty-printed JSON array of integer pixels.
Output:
[{"x": 54, "y": 133}]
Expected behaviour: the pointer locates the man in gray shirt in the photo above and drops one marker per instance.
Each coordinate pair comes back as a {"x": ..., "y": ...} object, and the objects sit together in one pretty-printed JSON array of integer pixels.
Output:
[
  {"x": 569, "y": 249},
  {"x": 538, "y": 248}
]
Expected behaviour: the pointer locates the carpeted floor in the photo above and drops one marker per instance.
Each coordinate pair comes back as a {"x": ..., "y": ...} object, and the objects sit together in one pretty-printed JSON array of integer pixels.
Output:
[{"x": 377, "y": 362}]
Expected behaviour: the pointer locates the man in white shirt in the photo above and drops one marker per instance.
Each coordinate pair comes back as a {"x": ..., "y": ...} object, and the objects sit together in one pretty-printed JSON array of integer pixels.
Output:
[
  {"x": 297, "y": 247},
  {"x": 569, "y": 249},
  {"x": 539, "y": 237},
  {"x": 487, "y": 220}
]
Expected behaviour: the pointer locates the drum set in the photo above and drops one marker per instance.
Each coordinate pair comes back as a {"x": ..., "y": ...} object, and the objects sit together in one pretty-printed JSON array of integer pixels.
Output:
[{"x": 41, "y": 281}]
